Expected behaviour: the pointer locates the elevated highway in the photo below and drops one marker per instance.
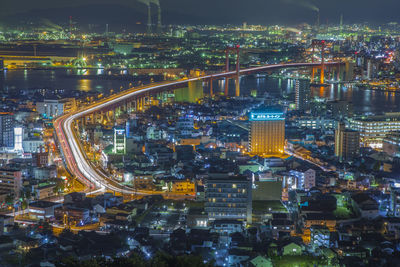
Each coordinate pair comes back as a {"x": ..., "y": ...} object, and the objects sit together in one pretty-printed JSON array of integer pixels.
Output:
[{"x": 74, "y": 156}]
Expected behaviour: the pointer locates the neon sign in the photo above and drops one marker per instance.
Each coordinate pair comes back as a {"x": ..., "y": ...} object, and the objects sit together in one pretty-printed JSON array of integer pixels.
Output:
[{"x": 266, "y": 116}]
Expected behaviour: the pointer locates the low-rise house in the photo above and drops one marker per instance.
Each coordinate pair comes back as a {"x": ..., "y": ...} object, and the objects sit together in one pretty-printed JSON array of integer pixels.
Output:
[
  {"x": 366, "y": 205},
  {"x": 261, "y": 261},
  {"x": 201, "y": 238},
  {"x": 197, "y": 218},
  {"x": 292, "y": 249},
  {"x": 72, "y": 215},
  {"x": 6, "y": 224},
  {"x": 178, "y": 241},
  {"x": 45, "y": 191},
  {"x": 238, "y": 257},
  {"x": 74, "y": 197},
  {"x": 226, "y": 227},
  {"x": 281, "y": 226},
  {"x": 43, "y": 209},
  {"x": 324, "y": 219},
  {"x": 320, "y": 237}
]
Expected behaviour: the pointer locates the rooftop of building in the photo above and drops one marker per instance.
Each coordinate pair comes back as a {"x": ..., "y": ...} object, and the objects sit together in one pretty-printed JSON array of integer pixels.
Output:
[
  {"x": 9, "y": 170},
  {"x": 381, "y": 117},
  {"x": 227, "y": 221},
  {"x": 43, "y": 204}
]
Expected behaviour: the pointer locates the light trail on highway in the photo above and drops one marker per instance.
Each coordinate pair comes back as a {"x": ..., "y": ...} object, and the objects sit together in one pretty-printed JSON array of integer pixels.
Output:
[{"x": 78, "y": 164}]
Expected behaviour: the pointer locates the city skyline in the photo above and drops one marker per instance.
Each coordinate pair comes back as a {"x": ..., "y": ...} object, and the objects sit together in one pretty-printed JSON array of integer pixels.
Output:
[
  {"x": 286, "y": 12},
  {"x": 209, "y": 133}
]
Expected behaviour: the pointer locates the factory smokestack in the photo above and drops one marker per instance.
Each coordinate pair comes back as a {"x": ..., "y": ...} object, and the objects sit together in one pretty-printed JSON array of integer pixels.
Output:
[
  {"x": 341, "y": 23},
  {"x": 147, "y": 3},
  {"x": 159, "y": 26},
  {"x": 157, "y": 3},
  {"x": 317, "y": 21},
  {"x": 148, "y": 19}
]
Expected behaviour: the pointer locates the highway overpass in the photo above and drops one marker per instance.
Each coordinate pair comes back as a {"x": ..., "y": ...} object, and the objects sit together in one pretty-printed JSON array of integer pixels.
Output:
[{"x": 74, "y": 156}]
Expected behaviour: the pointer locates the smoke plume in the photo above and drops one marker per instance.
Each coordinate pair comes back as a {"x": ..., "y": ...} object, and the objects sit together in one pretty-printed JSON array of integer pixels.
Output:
[{"x": 304, "y": 3}]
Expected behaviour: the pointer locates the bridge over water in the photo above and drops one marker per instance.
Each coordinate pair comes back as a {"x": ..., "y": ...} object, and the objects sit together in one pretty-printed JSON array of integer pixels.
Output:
[{"x": 133, "y": 99}]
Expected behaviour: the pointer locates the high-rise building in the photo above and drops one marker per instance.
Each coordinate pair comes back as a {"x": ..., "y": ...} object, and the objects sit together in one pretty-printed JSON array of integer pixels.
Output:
[
  {"x": 267, "y": 132},
  {"x": 302, "y": 95},
  {"x": 185, "y": 126},
  {"x": 340, "y": 108},
  {"x": 10, "y": 181},
  {"x": 190, "y": 94},
  {"x": 41, "y": 158},
  {"x": 6, "y": 130},
  {"x": 229, "y": 198},
  {"x": 373, "y": 129},
  {"x": 347, "y": 143},
  {"x": 119, "y": 141},
  {"x": 372, "y": 69},
  {"x": 18, "y": 135},
  {"x": 395, "y": 200},
  {"x": 305, "y": 177},
  {"x": 348, "y": 74},
  {"x": 391, "y": 144},
  {"x": 50, "y": 108}
]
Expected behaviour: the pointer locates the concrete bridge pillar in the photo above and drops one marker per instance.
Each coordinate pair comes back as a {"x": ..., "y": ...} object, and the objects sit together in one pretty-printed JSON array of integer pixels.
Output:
[
  {"x": 117, "y": 112},
  {"x": 123, "y": 107},
  {"x": 237, "y": 86},
  {"x": 312, "y": 75},
  {"x": 95, "y": 117},
  {"x": 141, "y": 103},
  {"x": 110, "y": 115},
  {"x": 81, "y": 122},
  {"x": 100, "y": 117},
  {"x": 322, "y": 76},
  {"x": 211, "y": 87},
  {"x": 226, "y": 91},
  {"x": 133, "y": 106}
]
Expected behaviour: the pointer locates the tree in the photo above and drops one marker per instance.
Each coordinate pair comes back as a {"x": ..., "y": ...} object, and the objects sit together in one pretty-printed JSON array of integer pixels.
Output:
[
  {"x": 159, "y": 260},
  {"x": 10, "y": 199},
  {"x": 377, "y": 166},
  {"x": 60, "y": 186},
  {"x": 167, "y": 260},
  {"x": 24, "y": 204},
  {"x": 67, "y": 233},
  {"x": 28, "y": 195}
]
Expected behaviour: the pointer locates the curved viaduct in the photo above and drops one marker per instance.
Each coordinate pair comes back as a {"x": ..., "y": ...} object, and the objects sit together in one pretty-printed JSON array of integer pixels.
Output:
[{"x": 75, "y": 158}]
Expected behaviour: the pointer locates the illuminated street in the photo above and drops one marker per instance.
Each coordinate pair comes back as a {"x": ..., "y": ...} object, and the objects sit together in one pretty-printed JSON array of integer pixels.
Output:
[{"x": 199, "y": 133}]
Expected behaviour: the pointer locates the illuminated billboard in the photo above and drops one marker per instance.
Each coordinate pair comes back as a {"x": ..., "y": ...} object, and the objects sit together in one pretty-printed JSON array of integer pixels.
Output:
[{"x": 266, "y": 116}]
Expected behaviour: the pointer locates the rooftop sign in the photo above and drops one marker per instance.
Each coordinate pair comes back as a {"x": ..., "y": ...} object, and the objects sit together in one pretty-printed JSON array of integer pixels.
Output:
[{"x": 267, "y": 116}]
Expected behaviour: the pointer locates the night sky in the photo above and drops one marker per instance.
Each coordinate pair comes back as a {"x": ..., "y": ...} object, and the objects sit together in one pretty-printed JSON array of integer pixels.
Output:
[{"x": 206, "y": 11}]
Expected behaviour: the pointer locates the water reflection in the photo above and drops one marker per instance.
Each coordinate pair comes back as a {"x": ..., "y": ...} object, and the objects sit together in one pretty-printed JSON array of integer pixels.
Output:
[
  {"x": 85, "y": 85},
  {"x": 86, "y": 80}
]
